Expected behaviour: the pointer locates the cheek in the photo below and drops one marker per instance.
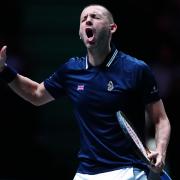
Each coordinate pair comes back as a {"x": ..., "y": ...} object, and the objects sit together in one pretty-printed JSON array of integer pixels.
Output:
[
  {"x": 104, "y": 32},
  {"x": 104, "y": 28},
  {"x": 80, "y": 31},
  {"x": 104, "y": 35}
]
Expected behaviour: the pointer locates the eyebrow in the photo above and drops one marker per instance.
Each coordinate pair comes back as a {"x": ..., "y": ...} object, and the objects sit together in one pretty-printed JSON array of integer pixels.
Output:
[{"x": 91, "y": 14}]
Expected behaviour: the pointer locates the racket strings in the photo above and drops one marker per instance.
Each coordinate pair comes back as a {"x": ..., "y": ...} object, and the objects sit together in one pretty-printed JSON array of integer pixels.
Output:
[
  {"x": 128, "y": 129},
  {"x": 136, "y": 139}
]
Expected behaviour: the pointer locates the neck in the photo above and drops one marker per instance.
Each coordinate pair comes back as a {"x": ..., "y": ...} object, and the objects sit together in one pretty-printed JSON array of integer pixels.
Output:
[{"x": 97, "y": 56}]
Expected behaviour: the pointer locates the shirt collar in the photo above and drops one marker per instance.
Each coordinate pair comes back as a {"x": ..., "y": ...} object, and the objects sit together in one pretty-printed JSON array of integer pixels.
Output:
[{"x": 109, "y": 59}]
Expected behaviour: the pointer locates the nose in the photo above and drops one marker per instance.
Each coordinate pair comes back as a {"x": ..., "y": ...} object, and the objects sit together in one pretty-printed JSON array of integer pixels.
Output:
[{"x": 89, "y": 21}]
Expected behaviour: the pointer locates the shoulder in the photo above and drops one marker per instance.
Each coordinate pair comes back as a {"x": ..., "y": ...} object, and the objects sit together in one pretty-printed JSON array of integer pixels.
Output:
[
  {"x": 73, "y": 63},
  {"x": 132, "y": 63}
]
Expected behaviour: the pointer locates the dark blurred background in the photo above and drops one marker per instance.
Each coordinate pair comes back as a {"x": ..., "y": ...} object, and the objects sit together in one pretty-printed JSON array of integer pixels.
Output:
[{"x": 42, "y": 142}]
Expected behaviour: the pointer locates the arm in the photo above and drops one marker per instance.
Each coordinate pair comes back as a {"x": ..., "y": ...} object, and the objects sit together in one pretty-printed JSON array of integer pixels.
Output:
[
  {"x": 156, "y": 113},
  {"x": 29, "y": 90}
]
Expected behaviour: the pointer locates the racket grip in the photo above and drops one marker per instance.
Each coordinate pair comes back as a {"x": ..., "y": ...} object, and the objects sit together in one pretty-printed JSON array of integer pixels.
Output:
[{"x": 152, "y": 161}]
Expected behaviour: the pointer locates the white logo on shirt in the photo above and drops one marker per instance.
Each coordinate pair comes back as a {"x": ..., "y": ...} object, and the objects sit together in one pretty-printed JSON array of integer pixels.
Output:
[
  {"x": 110, "y": 86},
  {"x": 154, "y": 90}
]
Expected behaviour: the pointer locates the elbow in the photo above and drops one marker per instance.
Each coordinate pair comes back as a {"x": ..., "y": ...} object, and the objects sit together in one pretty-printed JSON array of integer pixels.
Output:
[
  {"x": 34, "y": 100},
  {"x": 35, "y": 103},
  {"x": 37, "y": 98},
  {"x": 169, "y": 126}
]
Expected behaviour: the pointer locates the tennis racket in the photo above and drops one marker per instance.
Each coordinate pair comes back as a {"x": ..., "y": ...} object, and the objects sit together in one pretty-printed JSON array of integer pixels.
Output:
[{"x": 138, "y": 146}]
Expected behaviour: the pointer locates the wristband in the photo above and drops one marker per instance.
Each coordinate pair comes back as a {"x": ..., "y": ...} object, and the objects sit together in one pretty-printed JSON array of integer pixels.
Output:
[{"x": 8, "y": 74}]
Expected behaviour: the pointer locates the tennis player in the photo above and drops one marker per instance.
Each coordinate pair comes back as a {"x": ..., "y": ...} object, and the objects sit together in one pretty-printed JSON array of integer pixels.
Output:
[{"x": 99, "y": 84}]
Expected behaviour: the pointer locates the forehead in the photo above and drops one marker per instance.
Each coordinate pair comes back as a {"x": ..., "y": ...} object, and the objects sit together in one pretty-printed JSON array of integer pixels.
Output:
[{"x": 94, "y": 10}]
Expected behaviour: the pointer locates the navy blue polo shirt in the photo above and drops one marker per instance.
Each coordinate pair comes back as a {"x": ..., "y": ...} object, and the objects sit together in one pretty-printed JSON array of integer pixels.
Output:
[{"x": 121, "y": 82}]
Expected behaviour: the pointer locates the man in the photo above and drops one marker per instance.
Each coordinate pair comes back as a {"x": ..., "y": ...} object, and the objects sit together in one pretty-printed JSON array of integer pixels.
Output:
[{"x": 100, "y": 84}]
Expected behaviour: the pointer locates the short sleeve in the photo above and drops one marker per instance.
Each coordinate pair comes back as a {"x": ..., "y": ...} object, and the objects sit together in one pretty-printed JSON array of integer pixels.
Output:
[
  {"x": 54, "y": 84},
  {"x": 148, "y": 85}
]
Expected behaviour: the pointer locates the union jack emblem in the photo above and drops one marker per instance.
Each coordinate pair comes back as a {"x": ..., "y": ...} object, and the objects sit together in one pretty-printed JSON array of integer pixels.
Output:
[{"x": 80, "y": 87}]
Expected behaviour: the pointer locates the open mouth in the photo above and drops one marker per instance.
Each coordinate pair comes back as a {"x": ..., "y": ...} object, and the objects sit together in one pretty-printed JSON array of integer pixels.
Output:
[
  {"x": 89, "y": 32},
  {"x": 90, "y": 35}
]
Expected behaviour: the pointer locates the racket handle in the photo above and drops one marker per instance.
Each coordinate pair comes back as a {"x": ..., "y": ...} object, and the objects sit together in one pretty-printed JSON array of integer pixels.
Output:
[
  {"x": 152, "y": 161},
  {"x": 148, "y": 151}
]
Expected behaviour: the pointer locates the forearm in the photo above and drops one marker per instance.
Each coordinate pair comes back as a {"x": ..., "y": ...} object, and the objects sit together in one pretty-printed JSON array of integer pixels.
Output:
[
  {"x": 157, "y": 114},
  {"x": 162, "y": 135},
  {"x": 25, "y": 88}
]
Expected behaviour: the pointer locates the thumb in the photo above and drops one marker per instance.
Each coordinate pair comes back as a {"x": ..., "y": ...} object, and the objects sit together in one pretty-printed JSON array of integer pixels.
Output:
[{"x": 152, "y": 154}]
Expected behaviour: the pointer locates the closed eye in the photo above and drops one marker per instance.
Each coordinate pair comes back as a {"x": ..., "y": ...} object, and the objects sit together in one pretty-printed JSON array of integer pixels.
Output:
[{"x": 95, "y": 16}]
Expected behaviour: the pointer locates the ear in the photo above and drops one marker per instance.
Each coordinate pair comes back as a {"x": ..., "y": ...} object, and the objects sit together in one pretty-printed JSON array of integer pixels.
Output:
[
  {"x": 113, "y": 27},
  {"x": 80, "y": 36}
]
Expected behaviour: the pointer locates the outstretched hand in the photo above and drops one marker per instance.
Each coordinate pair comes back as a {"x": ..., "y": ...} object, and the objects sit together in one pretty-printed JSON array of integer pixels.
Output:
[{"x": 2, "y": 57}]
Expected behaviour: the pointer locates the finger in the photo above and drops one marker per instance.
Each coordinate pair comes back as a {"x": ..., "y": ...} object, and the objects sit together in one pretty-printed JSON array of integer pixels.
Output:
[
  {"x": 159, "y": 162},
  {"x": 152, "y": 155},
  {"x": 3, "y": 52}
]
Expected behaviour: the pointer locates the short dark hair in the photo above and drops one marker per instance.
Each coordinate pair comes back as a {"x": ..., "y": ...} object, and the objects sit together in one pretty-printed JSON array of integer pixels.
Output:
[{"x": 110, "y": 15}]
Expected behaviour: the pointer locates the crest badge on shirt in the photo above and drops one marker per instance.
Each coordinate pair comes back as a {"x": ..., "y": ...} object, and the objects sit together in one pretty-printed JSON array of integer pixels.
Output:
[
  {"x": 110, "y": 86},
  {"x": 80, "y": 87},
  {"x": 154, "y": 90}
]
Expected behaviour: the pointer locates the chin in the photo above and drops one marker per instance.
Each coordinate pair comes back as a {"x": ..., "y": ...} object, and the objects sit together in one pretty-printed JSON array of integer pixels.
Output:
[{"x": 90, "y": 44}]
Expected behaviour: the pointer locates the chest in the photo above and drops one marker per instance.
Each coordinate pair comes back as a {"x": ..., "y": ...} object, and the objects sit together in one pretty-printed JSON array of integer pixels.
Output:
[{"x": 102, "y": 89}]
